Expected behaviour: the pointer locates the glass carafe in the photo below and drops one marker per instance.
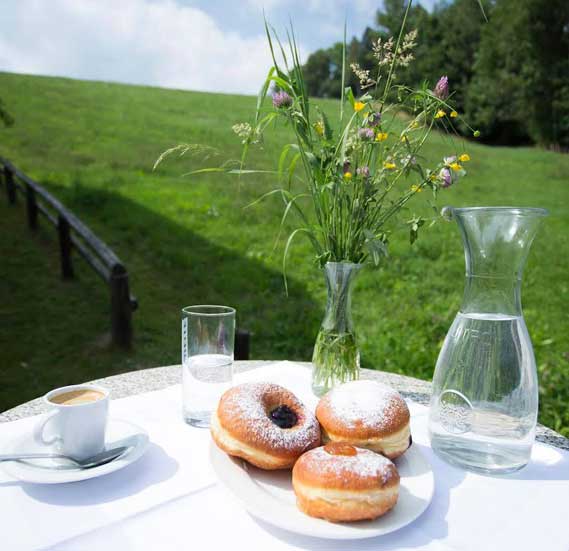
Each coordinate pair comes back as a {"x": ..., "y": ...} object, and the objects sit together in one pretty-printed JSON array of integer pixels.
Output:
[{"x": 484, "y": 400}]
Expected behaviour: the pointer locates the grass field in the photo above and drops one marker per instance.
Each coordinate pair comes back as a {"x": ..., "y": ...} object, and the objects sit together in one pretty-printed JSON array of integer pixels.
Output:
[{"x": 190, "y": 241}]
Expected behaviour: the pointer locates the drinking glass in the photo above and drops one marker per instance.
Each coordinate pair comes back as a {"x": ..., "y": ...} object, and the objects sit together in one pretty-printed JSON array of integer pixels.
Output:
[{"x": 208, "y": 335}]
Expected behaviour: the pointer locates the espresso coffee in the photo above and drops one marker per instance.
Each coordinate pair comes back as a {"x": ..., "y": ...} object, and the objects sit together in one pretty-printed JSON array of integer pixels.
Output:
[{"x": 79, "y": 396}]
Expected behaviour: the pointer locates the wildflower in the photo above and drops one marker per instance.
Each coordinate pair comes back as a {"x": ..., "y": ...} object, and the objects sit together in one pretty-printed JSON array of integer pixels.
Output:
[
  {"x": 476, "y": 134},
  {"x": 449, "y": 160},
  {"x": 455, "y": 166},
  {"x": 281, "y": 99},
  {"x": 409, "y": 160},
  {"x": 359, "y": 105},
  {"x": 405, "y": 52},
  {"x": 404, "y": 138},
  {"x": 247, "y": 133},
  {"x": 446, "y": 177},
  {"x": 363, "y": 76},
  {"x": 416, "y": 189},
  {"x": 365, "y": 134},
  {"x": 464, "y": 158},
  {"x": 363, "y": 171},
  {"x": 374, "y": 119},
  {"x": 389, "y": 165},
  {"x": 441, "y": 88},
  {"x": 453, "y": 114},
  {"x": 414, "y": 125},
  {"x": 440, "y": 114},
  {"x": 319, "y": 127},
  {"x": 381, "y": 136},
  {"x": 242, "y": 129},
  {"x": 383, "y": 51},
  {"x": 347, "y": 175}
]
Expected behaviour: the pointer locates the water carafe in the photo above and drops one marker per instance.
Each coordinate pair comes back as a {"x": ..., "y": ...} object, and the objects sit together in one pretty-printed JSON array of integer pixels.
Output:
[{"x": 484, "y": 400}]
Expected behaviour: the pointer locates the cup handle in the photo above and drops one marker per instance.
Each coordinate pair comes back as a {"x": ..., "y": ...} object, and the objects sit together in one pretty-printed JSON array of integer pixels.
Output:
[{"x": 40, "y": 426}]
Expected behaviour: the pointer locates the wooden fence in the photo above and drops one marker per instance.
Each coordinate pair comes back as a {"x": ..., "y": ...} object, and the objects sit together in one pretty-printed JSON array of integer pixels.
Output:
[{"x": 73, "y": 234}]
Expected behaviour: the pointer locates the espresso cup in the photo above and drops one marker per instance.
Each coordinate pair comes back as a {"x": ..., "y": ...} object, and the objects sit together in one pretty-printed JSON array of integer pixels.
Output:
[{"x": 76, "y": 422}]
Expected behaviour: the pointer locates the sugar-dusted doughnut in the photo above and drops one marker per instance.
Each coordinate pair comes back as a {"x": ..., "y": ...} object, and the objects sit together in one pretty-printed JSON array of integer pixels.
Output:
[
  {"x": 340, "y": 482},
  {"x": 265, "y": 424},
  {"x": 366, "y": 414}
]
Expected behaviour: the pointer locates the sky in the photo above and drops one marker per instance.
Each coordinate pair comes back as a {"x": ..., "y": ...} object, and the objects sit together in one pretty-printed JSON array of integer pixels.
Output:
[{"x": 208, "y": 45}]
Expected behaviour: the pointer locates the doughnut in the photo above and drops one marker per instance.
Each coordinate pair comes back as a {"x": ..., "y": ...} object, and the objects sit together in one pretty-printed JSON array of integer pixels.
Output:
[
  {"x": 366, "y": 414},
  {"x": 265, "y": 424},
  {"x": 339, "y": 482}
]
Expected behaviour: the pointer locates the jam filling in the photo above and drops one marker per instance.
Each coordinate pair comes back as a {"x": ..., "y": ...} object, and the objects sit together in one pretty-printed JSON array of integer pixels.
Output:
[
  {"x": 283, "y": 417},
  {"x": 340, "y": 449}
]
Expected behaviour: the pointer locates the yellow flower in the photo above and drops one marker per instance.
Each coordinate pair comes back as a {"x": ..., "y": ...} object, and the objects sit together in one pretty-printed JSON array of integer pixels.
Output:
[
  {"x": 319, "y": 127},
  {"x": 347, "y": 175},
  {"x": 389, "y": 166},
  {"x": 381, "y": 137},
  {"x": 453, "y": 114},
  {"x": 414, "y": 124},
  {"x": 455, "y": 166},
  {"x": 464, "y": 158},
  {"x": 359, "y": 105},
  {"x": 440, "y": 114},
  {"x": 416, "y": 189},
  {"x": 404, "y": 138}
]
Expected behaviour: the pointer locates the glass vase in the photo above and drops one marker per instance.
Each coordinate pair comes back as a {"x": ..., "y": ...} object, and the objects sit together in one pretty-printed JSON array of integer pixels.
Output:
[
  {"x": 484, "y": 400},
  {"x": 336, "y": 358}
]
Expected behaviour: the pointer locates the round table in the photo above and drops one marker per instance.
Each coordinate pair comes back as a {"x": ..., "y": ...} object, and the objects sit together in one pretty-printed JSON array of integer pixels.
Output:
[{"x": 146, "y": 380}]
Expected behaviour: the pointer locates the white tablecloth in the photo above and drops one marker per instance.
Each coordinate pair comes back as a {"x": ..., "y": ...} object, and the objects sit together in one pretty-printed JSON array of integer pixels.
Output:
[{"x": 170, "y": 499}]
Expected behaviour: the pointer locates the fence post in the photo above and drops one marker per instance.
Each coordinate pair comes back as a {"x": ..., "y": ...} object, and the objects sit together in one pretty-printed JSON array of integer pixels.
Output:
[
  {"x": 121, "y": 307},
  {"x": 241, "y": 344},
  {"x": 32, "y": 207},
  {"x": 10, "y": 185},
  {"x": 64, "y": 231}
]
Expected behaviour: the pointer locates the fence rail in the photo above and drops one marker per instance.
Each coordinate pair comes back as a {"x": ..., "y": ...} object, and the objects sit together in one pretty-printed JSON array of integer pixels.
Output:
[{"x": 74, "y": 235}]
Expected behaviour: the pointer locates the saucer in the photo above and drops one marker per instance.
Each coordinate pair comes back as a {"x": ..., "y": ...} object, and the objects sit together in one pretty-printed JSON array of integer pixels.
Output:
[{"x": 58, "y": 471}]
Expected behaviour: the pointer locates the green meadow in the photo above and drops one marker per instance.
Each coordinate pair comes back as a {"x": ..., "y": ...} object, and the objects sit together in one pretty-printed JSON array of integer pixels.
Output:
[{"x": 188, "y": 240}]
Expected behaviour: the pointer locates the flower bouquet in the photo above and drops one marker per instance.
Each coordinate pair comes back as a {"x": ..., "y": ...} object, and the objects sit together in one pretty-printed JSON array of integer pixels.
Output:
[{"x": 358, "y": 172}]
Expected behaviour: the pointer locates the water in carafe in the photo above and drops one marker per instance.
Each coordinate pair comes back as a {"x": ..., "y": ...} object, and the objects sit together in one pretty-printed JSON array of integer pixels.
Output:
[{"x": 485, "y": 395}]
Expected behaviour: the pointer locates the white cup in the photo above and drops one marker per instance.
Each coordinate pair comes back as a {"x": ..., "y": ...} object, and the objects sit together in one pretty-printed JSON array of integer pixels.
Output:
[{"x": 76, "y": 430}]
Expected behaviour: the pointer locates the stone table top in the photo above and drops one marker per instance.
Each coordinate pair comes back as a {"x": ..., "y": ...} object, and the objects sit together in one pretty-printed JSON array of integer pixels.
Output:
[{"x": 146, "y": 380}]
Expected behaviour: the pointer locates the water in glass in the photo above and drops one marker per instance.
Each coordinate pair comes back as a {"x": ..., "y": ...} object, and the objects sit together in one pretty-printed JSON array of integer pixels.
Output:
[
  {"x": 205, "y": 378},
  {"x": 208, "y": 335}
]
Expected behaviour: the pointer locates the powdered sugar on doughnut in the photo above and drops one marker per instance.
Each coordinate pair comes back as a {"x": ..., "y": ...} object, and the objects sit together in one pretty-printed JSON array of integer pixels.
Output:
[
  {"x": 248, "y": 404},
  {"x": 365, "y": 464},
  {"x": 364, "y": 403}
]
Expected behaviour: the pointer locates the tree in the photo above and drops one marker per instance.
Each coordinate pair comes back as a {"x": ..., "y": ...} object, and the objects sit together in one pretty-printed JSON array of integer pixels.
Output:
[
  {"x": 521, "y": 76},
  {"x": 458, "y": 27},
  {"x": 317, "y": 71}
]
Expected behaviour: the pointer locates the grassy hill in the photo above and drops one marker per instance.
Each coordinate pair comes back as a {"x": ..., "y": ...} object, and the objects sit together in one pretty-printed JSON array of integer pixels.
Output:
[{"x": 189, "y": 241}]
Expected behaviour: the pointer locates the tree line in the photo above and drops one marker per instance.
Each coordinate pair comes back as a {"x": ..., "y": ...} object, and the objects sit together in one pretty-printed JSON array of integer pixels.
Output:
[{"x": 507, "y": 64}]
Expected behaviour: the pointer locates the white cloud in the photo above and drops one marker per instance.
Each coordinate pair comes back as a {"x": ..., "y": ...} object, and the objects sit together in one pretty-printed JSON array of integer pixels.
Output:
[{"x": 139, "y": 41}]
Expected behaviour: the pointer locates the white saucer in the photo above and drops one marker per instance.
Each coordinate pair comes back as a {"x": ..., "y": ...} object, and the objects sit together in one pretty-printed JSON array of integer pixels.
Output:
[
  {"x": 57, "y": 471},
  {"x": 268, "y": 495}
]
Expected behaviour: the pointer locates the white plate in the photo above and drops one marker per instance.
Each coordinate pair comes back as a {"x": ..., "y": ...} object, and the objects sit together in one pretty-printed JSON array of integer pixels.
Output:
[
  {"x": 54, "y": 471},
  {"x": 268, "y": 495}
]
